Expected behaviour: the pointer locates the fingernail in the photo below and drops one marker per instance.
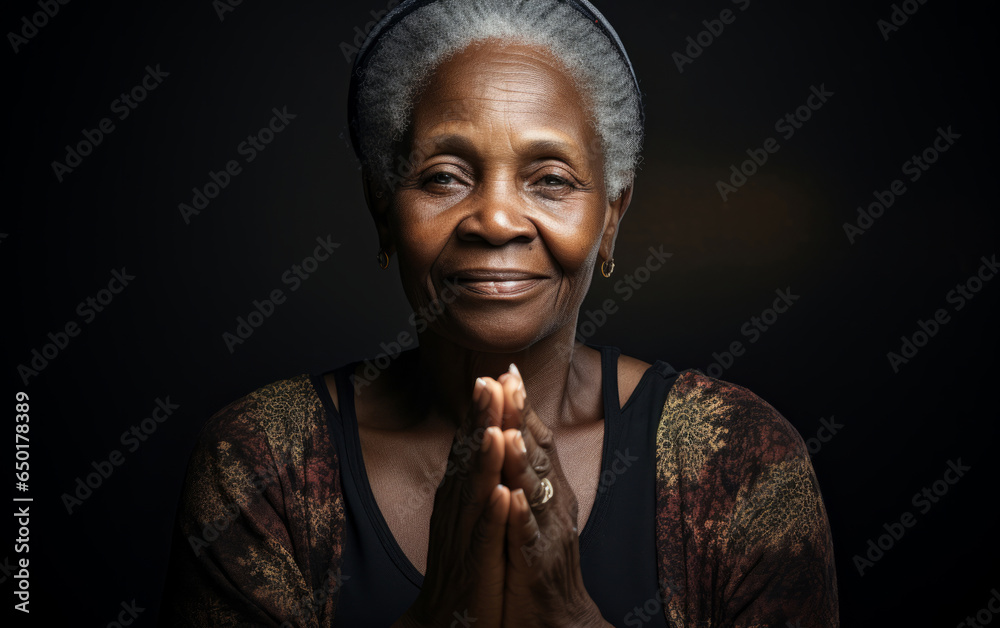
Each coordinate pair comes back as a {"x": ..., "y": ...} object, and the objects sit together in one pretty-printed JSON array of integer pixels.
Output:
[
  {"x": 478, "y": 389},
  {"x": 519, "y": 441},
  {"x": 524, "y": 500},
  {"x": 519, "y": 496},
  {"x": 513, "y": 369},
  {"x": 496, "y": 495},
  {"x": 487, "y": 440},
  {"x": 484, "y": 397}
]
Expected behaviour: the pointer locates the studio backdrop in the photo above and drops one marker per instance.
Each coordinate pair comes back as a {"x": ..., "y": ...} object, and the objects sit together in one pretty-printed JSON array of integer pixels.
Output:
[{"x": 814, "y": 219}]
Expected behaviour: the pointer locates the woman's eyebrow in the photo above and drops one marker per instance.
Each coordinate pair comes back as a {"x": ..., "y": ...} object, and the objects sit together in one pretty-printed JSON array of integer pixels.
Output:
[
  {"x": 536, "y": 148},
  {"x": 449, "y": 143},
  {"x": 559, "y": 149}
]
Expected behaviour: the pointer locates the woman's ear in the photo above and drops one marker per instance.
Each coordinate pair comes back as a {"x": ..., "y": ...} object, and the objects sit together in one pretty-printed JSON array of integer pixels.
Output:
[
  {"x": 616, "y": 211},
  {"x": 377, "y": 198}
]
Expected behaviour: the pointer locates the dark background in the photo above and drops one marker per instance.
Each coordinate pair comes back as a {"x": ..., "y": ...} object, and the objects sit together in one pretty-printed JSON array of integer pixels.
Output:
[{"x": 826, "y": 356}]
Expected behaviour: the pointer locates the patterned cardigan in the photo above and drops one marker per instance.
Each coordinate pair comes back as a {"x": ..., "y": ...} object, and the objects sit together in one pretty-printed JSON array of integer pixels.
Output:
[{"x": 742, "y": 536}]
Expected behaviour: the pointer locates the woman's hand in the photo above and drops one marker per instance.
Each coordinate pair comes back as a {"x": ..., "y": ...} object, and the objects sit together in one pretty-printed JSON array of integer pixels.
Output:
[
  {"x": 544, "y": 584},
  {"x": 465, "y": 559}
]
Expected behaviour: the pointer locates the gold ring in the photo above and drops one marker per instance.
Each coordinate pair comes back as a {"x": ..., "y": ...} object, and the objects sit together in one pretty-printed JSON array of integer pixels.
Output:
[{"x": 546, "y": 495}]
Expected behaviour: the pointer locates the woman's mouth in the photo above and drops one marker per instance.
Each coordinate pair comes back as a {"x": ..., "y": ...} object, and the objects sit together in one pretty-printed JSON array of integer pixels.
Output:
[
  {"x": 498, "y": 287},
  {"x": 495, "y": 283}
]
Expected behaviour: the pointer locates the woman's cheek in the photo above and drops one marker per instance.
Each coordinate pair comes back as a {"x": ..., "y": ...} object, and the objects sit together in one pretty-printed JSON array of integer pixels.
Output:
[
  {"x": 573, "y": 244},
  {"x": 410, "y": 228},
  {"x": 419, "y": 241}
]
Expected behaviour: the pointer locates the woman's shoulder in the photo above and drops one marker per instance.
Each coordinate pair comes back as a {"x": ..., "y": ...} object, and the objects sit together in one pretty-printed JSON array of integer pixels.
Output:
[
  {"x": 261, "y": 517},
  {"x": 711, "y": 415},
  {"x": 732, "y": 469},
  {"x": 280, "y": 413},
  {"x": 630, "y": 373}
]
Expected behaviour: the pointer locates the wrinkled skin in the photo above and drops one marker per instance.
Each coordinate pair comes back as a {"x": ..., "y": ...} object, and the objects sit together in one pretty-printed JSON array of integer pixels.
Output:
[{"x": 503, "y": 174}]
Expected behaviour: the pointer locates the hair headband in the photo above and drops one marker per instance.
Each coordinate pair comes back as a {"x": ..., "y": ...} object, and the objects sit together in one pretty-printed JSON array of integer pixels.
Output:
[{"x": 388, "y": 22}]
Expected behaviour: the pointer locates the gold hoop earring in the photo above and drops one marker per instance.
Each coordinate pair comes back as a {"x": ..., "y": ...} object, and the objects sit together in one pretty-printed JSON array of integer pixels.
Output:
[
  {"x": 383, "y": 259},
  {"x": 605, "y": 270}
]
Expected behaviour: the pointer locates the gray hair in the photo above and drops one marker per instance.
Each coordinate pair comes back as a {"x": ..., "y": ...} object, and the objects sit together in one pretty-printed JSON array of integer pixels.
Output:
[{"x": 420, "y": 42}]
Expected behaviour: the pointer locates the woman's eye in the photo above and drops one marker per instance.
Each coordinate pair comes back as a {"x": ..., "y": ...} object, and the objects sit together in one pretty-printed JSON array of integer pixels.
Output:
[
  {"x": 442, "y": 178},
  {"x": 552, "y": 180}
]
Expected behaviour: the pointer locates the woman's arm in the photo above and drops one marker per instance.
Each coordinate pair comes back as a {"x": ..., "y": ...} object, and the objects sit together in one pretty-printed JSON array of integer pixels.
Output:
[
  {"x": 743, "y": 538},
  {"x": 778, "y": 547},
  {"x": 254, "y": 544}
]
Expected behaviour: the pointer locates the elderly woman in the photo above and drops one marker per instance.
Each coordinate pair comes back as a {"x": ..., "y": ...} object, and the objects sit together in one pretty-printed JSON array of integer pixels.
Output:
[{"x": 501, "y": 473}]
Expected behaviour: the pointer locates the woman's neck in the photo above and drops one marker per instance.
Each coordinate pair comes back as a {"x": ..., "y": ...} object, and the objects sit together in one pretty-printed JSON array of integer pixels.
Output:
[{"x": 559, "y": 376}]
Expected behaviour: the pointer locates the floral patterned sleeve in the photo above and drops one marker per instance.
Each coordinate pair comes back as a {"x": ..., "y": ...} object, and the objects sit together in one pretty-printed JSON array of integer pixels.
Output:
[
  {"x": 260, "y": 517},
  {"x": 743, "y": 538}
]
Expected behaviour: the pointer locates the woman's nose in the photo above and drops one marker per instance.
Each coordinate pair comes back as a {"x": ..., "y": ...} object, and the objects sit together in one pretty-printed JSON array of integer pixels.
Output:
[{"x": 496, "y": 214}]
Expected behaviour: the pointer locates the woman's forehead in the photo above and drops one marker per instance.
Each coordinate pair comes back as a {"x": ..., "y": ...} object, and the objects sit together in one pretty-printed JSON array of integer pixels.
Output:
[
  {"x": 495, "y": 65},
  {"x": 516, "y": 85}
]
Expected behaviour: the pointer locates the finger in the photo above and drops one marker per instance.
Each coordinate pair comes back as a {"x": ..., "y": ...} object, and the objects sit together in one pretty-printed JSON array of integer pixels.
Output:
[
  {"x": 543, "y": 459},
  {"x": 490, "y": 406},
  {"x": 486, "y": 503},
  {"x": 484, "y": 445},
  {"x": 525, "y": 543},
  {"x": 487, "y": 462},
  {"x": 518, "y": 413},
  {"x": 469, "y": 436},
  {"x": 524, "y": 469},
  {"x": 540, "y": 460},
  {"x": 476, "y": 459},
  {"x": 537, "y": 434},
  {"x": 513, "y": 398},
  {"x": 489, "y": 536},
  {"x": 534, "y": 432}
]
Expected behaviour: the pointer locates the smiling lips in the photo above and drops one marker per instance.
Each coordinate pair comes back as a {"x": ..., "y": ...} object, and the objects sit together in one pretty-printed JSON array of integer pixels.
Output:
[{"x": 496, "y": 282}]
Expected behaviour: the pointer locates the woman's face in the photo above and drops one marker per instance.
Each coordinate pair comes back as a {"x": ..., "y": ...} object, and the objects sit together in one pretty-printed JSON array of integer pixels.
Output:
[{"x": 505, "y": 210}]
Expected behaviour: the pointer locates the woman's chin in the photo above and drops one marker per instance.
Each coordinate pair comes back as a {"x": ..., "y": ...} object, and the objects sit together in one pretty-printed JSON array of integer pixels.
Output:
[{"x": 494, "y": 337}]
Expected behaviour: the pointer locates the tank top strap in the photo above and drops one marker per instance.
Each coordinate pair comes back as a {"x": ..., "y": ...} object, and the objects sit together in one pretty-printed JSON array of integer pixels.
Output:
[{"x": 609, "y": 382}]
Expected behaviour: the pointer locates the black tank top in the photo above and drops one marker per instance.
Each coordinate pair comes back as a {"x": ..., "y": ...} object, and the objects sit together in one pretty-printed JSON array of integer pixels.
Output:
[{"x": 617, "y": 546}]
